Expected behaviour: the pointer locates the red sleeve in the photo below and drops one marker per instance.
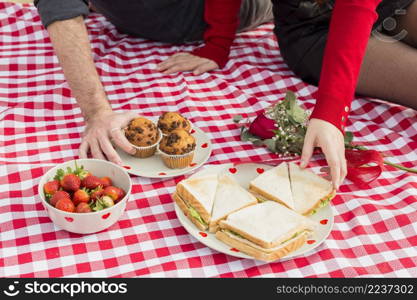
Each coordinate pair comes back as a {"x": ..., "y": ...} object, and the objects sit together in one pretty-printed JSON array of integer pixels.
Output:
[
  {"x": 222, "y": 17},
  {"x": 350, "y": 30}
]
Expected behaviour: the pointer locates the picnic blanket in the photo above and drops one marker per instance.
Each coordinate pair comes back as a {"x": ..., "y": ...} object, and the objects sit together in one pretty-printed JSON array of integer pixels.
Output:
[{"x": 375, "y": 230}]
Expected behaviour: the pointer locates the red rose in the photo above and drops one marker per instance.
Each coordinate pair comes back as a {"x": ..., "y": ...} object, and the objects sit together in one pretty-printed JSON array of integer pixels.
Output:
[{"x": 263, "y": 127}]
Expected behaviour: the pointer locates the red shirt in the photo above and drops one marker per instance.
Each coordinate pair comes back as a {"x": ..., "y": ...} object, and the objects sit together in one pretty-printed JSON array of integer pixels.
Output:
[
  {"x": 350, "y": 29},
  {"x": 222, "y": 17},
  {"x": 349, "y": 32}
]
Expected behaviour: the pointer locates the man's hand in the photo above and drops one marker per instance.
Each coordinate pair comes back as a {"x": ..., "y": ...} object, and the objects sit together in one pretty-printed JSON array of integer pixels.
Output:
[
  {"x": 181, "y": 62},
  {"x": 100, "y": 130},
  {"x": 326, "y": 136}
]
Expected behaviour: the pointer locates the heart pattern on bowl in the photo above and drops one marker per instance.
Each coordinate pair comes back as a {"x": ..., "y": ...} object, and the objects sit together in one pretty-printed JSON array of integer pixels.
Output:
[
  {"x": 311, "y": 242},
  {"x": 69, "y": 219},
  {"x": 324, "y": 221},
  {"x": 205, "y": 145},
  {"x": 105, "y": 216},
  {"x": 232, "y": 170}
]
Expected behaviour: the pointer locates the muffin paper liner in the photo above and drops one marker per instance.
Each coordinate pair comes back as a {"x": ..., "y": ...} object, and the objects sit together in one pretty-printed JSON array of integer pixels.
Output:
[
  {"x": 147, "y": 151},
  {"x": 179, "y": 161}
]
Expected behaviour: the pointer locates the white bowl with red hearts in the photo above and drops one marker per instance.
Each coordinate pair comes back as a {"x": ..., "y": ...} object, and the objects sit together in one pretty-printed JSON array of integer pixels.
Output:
[{"x": 85, "y": 223}]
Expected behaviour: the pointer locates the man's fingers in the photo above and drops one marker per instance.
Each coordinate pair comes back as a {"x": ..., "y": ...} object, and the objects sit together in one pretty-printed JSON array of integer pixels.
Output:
[
  {"x": 109, "y": 151},
  {"x": 83, "y": 150},
  {"x": 121, "y": 141},
  {"x": 96, "y": 151},
  {"x": 307, "y": 152}
]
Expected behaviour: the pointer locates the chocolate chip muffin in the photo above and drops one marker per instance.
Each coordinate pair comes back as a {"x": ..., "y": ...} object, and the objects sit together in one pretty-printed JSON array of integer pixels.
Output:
[
  {"x": 177, "y": 149},
  {"x": 170, "y": 121},
  {"x": 143, "y": 135}
]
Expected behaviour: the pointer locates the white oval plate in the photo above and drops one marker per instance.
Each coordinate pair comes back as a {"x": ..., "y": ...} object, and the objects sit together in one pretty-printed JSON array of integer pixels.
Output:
[
  {"x": 153, "y": 167},
  {"x": 244, "y": 174}
]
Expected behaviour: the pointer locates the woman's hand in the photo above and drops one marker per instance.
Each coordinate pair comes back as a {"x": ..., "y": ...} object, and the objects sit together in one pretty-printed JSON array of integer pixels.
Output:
[
  {"x": 181, "y": 62},
  {"x": 100, "y": 130},
  {"x": 330, "y": 139}
]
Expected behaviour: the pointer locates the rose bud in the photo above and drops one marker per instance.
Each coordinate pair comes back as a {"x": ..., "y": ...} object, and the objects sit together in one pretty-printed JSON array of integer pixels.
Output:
[{"x": 263, "y": 127}]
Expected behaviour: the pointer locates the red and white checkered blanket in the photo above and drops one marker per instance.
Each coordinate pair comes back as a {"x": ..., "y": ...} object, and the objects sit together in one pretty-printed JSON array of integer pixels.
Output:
[{"x": 375, "y": 231}]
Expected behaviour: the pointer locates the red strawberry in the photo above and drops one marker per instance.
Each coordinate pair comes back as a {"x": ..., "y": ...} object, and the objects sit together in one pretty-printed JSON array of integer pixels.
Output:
[
  {"x": 51, "y": 187},
  {"x": 70, "y": 182},
  {"x": 83, "y": 208},
  {"x": 80, "y": 196},
  {"x": 112, "y": 192},
  {"x": 58, "y": 196},
  {"x": 91, "y": 182},
  {"x": 106, "y": 181},
  {"x": 121, "y": 194},
  {"x": 65, "y": 205},
  {"x": 96, "y": 194}
]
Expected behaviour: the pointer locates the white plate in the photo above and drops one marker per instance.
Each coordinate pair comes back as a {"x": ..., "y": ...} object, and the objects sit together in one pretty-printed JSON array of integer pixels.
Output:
[
  {"x": 153, "y": 167},
  {"x": 244, "y": 174}
]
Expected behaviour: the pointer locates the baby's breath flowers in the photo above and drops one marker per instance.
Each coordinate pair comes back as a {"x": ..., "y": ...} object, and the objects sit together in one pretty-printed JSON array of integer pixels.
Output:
[{"x": 281, "y": 127}]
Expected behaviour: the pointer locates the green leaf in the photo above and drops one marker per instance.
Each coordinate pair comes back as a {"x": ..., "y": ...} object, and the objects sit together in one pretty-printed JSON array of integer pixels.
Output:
[
  {"x": 98, "y": 205},
  {"x": 48, "y": 197},
  {"x": 59, "y": 174},
  {"x": 348, "y": 138},
  {"x": 295, "y": 113},
  {"x": 290, "y": 99},
  {"x": 271, "y": 145},
  {"x": 237, "y": 118},
  {"x": 246, "y": 136}
]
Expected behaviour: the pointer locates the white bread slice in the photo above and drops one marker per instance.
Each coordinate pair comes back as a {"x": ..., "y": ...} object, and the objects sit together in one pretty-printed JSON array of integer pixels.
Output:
[
  {"x": 267, "y": 224},
  {"x": 199, "y": 193},
  {"x": 274, "y": 184},
  {"x": 185, "y": 209},
  {"x": 230, "y": 197},
  {"x": 308, "y": 189},
  {"x": 260, "y": 253}
]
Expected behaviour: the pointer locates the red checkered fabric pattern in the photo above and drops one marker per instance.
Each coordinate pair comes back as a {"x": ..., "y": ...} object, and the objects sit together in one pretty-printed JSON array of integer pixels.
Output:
[{"x": 375, "y": 230}]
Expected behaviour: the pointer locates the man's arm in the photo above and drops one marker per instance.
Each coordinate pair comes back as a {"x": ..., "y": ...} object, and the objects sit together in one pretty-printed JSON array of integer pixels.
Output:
[{"x": 71, "y": 44}]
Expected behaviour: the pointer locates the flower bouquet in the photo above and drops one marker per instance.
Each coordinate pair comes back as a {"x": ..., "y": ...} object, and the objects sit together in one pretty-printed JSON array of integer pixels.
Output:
[{"x": 283, "y": 126}]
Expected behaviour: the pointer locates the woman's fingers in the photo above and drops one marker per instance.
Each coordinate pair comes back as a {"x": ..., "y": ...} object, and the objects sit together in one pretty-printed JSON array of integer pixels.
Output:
[
  {"x": 175, "y": 61},
  {"x": 308, "y": 149},
  {"x": 343, "y": 168},
  {"x": 205, "y": 67},
  {"x": 182, "y": 62},
  {"x": 334, "y": 163}
]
